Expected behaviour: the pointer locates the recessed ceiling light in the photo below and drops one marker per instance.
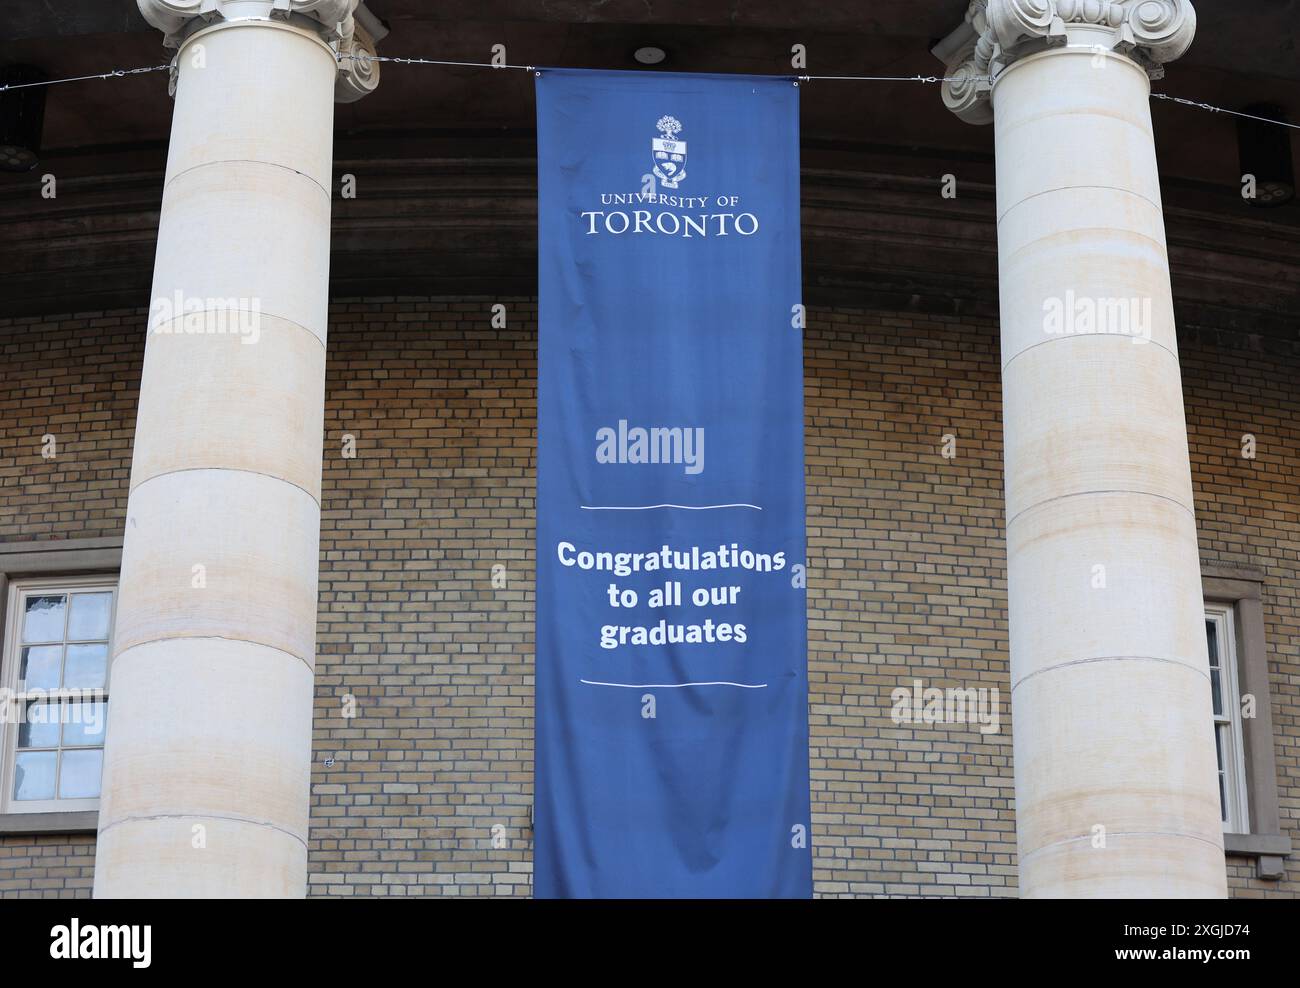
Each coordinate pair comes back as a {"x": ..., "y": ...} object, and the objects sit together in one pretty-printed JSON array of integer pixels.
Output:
[
  {"x": 1265, "y": 154},
  {"x": 650, "y": 55},
  {"x": 22, "y": 114}
]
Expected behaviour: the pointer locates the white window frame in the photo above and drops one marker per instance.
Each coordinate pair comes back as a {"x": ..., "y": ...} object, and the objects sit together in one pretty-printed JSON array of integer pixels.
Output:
[
  {"x": 17, "y": 591},
  {"x": 1228, "y": 724}
]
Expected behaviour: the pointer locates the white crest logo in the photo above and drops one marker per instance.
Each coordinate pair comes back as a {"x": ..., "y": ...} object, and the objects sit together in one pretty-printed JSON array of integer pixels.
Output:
[{"x": 668, "y": 153}]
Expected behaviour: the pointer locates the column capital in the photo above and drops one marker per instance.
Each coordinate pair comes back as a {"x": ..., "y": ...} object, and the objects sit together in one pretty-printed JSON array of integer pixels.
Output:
[
  {"x": 346, "y": 26},
  {"x": 997, "y": 33}
]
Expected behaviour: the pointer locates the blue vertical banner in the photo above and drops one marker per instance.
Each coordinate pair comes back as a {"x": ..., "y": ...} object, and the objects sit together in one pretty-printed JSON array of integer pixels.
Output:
[{"x": 672, "y": 685}]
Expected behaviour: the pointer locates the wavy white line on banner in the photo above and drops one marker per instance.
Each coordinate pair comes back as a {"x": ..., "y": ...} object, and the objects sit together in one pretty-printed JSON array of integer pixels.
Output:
[
  {"x": 673, "y": 686},
  {"x": 650, "y": 507}
]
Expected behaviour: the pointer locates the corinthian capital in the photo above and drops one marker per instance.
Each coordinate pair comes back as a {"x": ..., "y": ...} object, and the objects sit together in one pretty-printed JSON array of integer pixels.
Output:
[
  {"x": 347, "y": 26},
  {"x": 995, "y": 33}
]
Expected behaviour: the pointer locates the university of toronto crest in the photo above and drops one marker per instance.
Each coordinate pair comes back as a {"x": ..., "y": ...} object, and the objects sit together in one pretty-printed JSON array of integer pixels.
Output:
[{"x": 669, "y": 154}]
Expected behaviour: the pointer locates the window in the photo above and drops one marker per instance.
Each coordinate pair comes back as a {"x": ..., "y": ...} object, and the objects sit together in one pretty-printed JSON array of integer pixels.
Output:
[
  {"x": 55, "y": 678},
  {"x": 1221, "y": 639},
  {"x": 1243, "y": 720}
]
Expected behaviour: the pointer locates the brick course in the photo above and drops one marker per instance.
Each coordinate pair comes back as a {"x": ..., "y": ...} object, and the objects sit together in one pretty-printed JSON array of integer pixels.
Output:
[{"x": 430, "y": 782}]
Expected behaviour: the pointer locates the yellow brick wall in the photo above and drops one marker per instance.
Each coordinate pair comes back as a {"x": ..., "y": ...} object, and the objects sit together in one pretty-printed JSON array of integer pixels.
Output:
[
  {"x": 75, "y": 378},
  {"x": 430, "y": 780},
  {"x": 47, "y": 866},
  {"x": 1248, "y": 514}
]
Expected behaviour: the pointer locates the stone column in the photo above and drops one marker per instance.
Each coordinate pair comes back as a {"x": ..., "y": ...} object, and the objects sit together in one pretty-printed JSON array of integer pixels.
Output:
[
  {"x": 208, "y": 758},
  {"x": 1116, "y": 791}
]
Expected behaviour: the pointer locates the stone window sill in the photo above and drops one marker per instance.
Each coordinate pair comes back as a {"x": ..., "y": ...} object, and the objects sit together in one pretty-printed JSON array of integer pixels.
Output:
[
  {"x": 1268, "y": 850},
  {"x": 78, "y": 822}
]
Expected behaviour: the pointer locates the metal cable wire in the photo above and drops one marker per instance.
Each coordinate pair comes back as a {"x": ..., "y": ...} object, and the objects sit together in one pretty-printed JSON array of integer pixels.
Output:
[{"x": 402, "y": 60}]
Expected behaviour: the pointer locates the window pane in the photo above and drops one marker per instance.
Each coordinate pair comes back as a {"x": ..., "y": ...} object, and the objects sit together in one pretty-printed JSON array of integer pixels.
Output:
[
  {"x": 43, "y": 619},
  {"x": 83, "y": 723},
  {"x": 79, "y": 777},
  {"x": 1216, "y": 669},
  {"x": 39, "y": 668},
  {"x": 1223, "y": 793},
  {"x": 40, "y": 725},
  {"x": 89, "y": 616},
  {"x": 34, "y": 778},
  {"x": 86, "y": 666}
]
